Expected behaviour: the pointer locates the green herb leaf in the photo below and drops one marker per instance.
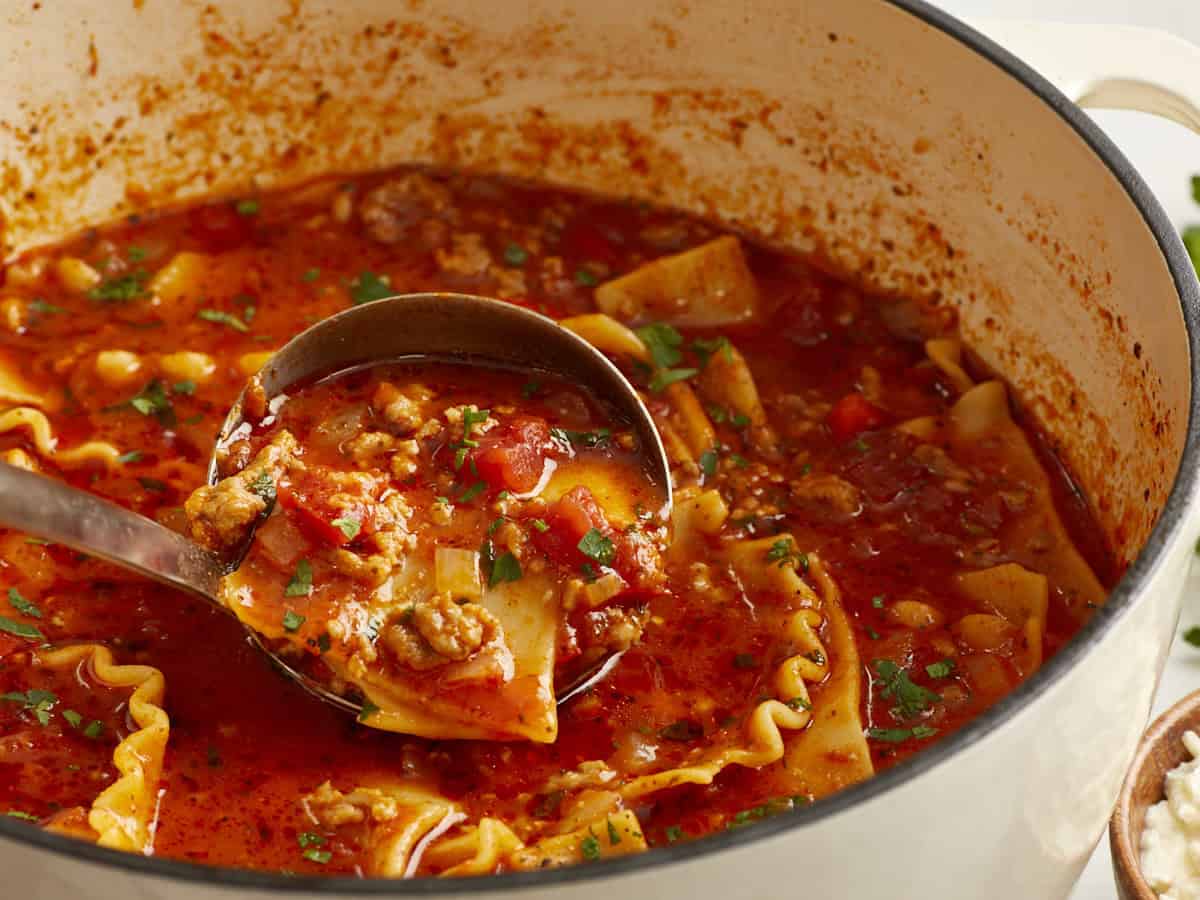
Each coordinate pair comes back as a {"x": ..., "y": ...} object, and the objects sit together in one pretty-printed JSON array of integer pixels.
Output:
[
  {"x": 681, "y": 730},
  {"x": 596, "y": 546},
  {"x": 20, "y": 629},
  {"x": 673, "y": 833},
  {"x": 292, "y": 620},
  {"x": 318, "y": 856},
  {"x": 706, "y": 347},
  {"x": 301, "y": 583},
  {"x": 40, "y": 306},
  {"x": 598, "y": 438},
  {"x": 783, "y": 553},
  {"x": 539, "y": 525},
  {"x": 941, "y": 669},
  {"x": 73, "y": 718},
  {"x": 17, "y": 814},
  {"x": 708, "y": 463},
  {"x": 264, "y": 486},
  {"x": 152, "y": 400},
  {"x": 515, "y": 255},
  {"x": 368, "y": 709},
  {"x": 911, "y": 699},
  {"x": 21, "y": 605},
  {"x": 586, "y": 278},
  {"x": 664, "y": 378},
  {"x": 663, "y": 343},
  {"x": 799, "y": 703},
  {"x": 186, "y": 387},
  {"x": 505, "y": 568},
  {"x": 589, "y": 847},
  {"x": 37, "y": 701},
  {"x": 899, "y": 735},
  {"x": 223, "y": 318},
  {"x": 877, "y": 601},
  {"x": 369, "y": 287},
  {"x": 310, "y": 275},
  {"x": 247, "y": 207},
  {"x": 131, "y": 457},
  {"x": 614, "y": 836},
  {"x": 309, "y": 839},
  {"x": 121, "y": 289},
  {"x": 347, "y": 526},
  {"x": 94, "y": 730},
  {"x": 136, "y": 254},
  {"x": 472, "y": 492}
]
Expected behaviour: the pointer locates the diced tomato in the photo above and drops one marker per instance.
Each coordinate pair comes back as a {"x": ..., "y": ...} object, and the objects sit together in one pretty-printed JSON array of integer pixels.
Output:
[
  {"x": 307, "y": 501},
  {"x": 572, "y": 516},
  {"x": 854, "y": 414},
  {"x": 219, "y": 227},
  {"x": 512, "y": 456}
]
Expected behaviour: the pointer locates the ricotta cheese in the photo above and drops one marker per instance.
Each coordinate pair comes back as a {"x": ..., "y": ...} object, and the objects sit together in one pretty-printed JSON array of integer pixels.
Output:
[{"x": 1171, "y": 836}]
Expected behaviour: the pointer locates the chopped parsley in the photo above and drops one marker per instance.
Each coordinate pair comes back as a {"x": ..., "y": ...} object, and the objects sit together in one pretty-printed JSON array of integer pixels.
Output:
[
  {"x": 505, "y": 568},
  {"x": 38, "y": 305},
  {"x": 614, "y": 836},
  {"x": 121, "y": 289},
  {"x": 292, "y": 620},
  {"x": 187, "y": 387},
  {"x": 368, "y": 709},
  {"x": 589, "y": 847},
  {"x": 247, "y": 207},
  {"x": 131, "y": 457},
  {"x": 940, "y": 669},
  {"x": 347, "y": 526},
  {"x": 664, "y": 378},
  {"x": 586, "y": 278},
  {"x": 799, "y": 703},
  {"x": 540, "y": 525},
  {"x": 73, "y": 718},
  {"x": 783, "y": 553},
  {"x": 40, "y": 703},
  {"x": 94, "y": 730},
  {"x": 301, "y": 583},
  {"x": 472, "y": 492},
  {"x": 515, "y": 255},
  {"x": 310, "y": 275},
  {"x": 264, "y": 486},
  {"x": 663, "y": 342},
  {"x": 598, "y": 438},
  {"x": 152, "y": 400},
  {"x": 681, "y": 730},
  {"x": 136, "y": 254},
  {"x": 877, "y": 601},
  {"x": 738, "y": 420},
  {"x": 706, "y": 347},
  {"x": 595, "y": 545},
  {"x": 911, "y": 699},
  {"x": 308, "y": 839},
  {"x": 673, "y": 833},
  {"x": 765, "y": 810},
  {"x": 24, "y": 816},
  {"x": 223, "y": 318},
  {"x": 708, "y": 463},
  {"x": 369, "y": 287},
  {"x": 318, "y": 856},
  {"x": 899, "y": 735},
  {"x": 20, "y": 629},
  {"x": 21, "y": 605}
]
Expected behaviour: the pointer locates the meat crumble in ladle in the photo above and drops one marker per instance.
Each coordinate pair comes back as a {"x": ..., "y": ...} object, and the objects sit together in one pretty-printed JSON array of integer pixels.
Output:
[{"x": 456, "y": 327}]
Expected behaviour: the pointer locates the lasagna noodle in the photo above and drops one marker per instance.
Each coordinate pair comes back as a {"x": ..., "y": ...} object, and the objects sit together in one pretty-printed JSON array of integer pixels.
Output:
[
  {"x": 46, "y": 443},
  {"x": 123, "y": 816}
]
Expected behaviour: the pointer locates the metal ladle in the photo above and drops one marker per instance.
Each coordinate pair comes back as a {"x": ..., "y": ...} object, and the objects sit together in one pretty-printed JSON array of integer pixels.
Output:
[{"x": 444, "y": 327}]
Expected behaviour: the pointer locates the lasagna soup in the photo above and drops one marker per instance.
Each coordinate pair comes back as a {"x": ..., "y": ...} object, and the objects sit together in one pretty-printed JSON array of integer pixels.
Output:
[{"x": 867, "y": 549}]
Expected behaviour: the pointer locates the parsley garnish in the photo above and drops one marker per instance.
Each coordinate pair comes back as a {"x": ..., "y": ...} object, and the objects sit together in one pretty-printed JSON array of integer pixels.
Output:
[
  {"x": 152, "y": 400},
  {"x": 898, "y": 735},
  {"x": 540, "y": 525},
  {"x": 38, "y": 305},
  {"x": 911, "y": 699},
  {"x": 120, "y": 289},
  {"x": 39, "y": 702},
  {"x": 598, "y": 438},
  {"x": 20, "y": 629},
  {"x": 515, "y": 255},
  {"x": 292, "y": 620},
  {"x": 94, "y": 730},
  {"x": 369, "y": 287},
  {"x": 708, "y": 463},
  {"x": 310, "y": 275},
  {"x": 73, "y": 718},
  {"x": 246, "y": 207},
  {"x": 223, "y": 318},
  {"x": 186, "y": 387},
  {"x": 472, "y": 492},
  {"x": 136, "y": 254},
  {"x": 17, "y": 814},
  {"x": 799, "y": 703},
  {"x": 585, "y": 278},
  {"x": 505, "y": 568},
  {"x": 264, "y": 486},
  {"x": 589, "y": 847},
  {"x": 614, "y": 836},
  {"x": 673, "y": 833},
  {"x": 877, "y": 601},
  {"x": 309, "y": 839},
  {"x": 664, "y": 378},
  {"x": 131, "y": 457},
  {"x": 318, "y": 856},
  {"x": 783, "y": 552},
  {"x": 706, "y": 347},
  {"x": 762, "y": 811},
  {"x": 681, "y": 730},
  {"x": 301, "y": 583},
  {"x": 368, "y": 709},
  {"x": 347, "y": 526},
  {"x": 940, "y": 669},
  {"x": 21, "y": 605},
  {"x": 596, "y": 546},
  {"x": 663, "y": 343}
]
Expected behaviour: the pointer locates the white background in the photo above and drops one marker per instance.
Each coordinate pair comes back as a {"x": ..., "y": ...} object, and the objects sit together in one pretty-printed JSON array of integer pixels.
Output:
[{"x": 1166, "y": 155}]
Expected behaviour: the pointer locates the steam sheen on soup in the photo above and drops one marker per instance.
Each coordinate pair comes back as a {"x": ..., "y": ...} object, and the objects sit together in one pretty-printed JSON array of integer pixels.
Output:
[{"x": 866, "y": 551}]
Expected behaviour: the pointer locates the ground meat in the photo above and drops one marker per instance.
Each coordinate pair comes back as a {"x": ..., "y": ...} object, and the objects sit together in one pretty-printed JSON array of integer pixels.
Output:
[
  {"x": 468, "y": 255},
  {"x": 452, "y": 630},
  {"x": 220, "y": 516},
  {"x": 390, "y": 211},
  {"x": 403, "y": 409},
  {"x": 612, "y": 628},
  {"x": 368, "y": 445},
  {"x": 827, "y": 492}
]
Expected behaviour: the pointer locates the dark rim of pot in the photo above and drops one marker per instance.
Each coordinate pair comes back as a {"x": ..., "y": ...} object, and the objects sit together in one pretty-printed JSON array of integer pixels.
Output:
[{"x": 1120, "y": 601}]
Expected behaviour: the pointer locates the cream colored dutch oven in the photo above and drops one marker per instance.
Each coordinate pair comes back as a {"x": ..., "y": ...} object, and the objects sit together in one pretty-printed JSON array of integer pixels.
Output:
[{"x": 892, "y": 140}]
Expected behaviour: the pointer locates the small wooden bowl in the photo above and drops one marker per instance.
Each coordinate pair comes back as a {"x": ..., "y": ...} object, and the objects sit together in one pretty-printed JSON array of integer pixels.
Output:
[{"x": 1160, "y": 751}]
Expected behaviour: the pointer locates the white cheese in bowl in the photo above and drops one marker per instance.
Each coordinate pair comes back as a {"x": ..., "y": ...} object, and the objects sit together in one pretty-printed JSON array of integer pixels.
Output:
[{"x": 1171, "y": 836}]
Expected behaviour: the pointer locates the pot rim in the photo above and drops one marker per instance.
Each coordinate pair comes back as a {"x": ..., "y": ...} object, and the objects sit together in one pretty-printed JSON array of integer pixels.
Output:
[{"x": 1121, "y": 599}]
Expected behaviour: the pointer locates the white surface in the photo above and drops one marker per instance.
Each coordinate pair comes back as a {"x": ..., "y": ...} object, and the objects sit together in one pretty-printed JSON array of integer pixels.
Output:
[{"x": 1166, "y": 155}]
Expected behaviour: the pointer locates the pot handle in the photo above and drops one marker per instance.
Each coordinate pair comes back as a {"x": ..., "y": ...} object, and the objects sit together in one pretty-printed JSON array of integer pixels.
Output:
[{"x": 1109, "y": 66}]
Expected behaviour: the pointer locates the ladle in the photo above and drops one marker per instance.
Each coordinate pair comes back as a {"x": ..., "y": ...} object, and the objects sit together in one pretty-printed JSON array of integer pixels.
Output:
[{"x": 455, "y": 327}]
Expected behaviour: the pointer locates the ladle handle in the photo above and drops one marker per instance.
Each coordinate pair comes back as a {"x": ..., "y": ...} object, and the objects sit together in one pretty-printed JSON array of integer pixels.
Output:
[{"x": 55, "y": 511}]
